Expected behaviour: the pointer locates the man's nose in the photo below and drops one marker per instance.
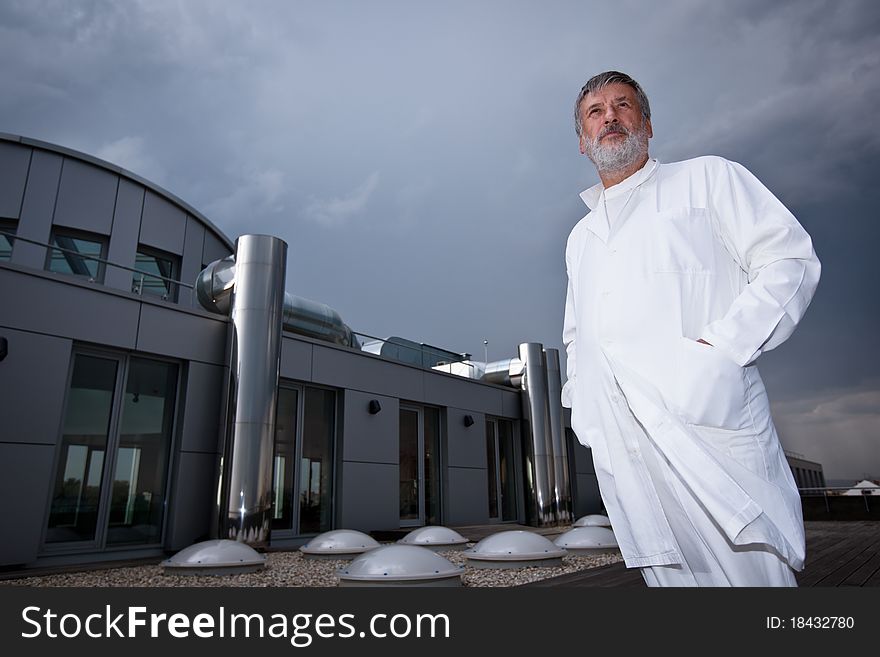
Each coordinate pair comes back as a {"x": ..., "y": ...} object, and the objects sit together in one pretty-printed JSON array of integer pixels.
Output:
[{"x": 610, "y": 115}]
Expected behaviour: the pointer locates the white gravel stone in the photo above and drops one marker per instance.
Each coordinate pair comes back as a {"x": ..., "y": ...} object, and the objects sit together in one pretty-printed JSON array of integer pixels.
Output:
[{"x": 290, "y": 569}]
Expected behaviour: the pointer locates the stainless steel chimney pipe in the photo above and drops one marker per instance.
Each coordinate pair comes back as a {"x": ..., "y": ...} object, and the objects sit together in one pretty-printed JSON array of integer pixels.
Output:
[
  {"x": 562, "y": 505},
  {"x": 538, "y": 446},
  {"x": 257, "y": 306}
]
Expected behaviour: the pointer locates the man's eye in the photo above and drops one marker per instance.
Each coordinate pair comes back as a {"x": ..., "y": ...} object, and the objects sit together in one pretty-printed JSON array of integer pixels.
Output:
[{"x": 594, "y": 111}]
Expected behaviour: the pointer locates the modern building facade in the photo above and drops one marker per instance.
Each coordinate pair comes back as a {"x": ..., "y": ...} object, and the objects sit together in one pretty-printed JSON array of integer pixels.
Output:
[{"x": 116, "y": 386}]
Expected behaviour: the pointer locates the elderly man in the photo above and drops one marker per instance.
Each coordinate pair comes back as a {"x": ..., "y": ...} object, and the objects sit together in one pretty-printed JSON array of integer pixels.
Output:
[{"x": 679, "y": 278}]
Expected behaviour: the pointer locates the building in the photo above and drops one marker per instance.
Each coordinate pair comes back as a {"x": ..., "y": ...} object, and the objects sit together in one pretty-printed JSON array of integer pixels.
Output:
[
  {"x": 117, "y": 385},
  {"x": 807, "y": 474}
]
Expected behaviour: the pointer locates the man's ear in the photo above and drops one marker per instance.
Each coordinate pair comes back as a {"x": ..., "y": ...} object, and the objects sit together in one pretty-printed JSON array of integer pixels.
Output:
[
  {"x": 582, "y": 145},
  {"x": 649, "y": 128}
]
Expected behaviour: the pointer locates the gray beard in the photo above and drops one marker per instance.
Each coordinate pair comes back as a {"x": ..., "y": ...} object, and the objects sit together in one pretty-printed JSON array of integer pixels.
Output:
[{"x": 620, "y": 156}]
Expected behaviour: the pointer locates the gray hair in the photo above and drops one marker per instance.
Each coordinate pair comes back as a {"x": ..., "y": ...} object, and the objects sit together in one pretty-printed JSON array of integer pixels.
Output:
[{"x": 602, "y": 80}]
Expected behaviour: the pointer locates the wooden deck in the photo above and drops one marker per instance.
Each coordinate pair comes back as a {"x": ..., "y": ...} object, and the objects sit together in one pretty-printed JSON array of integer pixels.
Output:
[{"x": 839, "y": 553}]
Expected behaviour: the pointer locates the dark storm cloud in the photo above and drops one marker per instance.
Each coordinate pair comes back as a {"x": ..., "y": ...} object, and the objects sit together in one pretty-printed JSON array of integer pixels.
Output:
[{"x": 420, "y": 159}]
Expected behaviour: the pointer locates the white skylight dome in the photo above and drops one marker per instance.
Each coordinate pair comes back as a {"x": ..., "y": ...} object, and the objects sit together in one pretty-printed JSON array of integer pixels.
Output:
[
  {"x": 217, "y": 557},
  {"x": 400, "y": 565},
  {"x": 338, "y": 544},
  {"x": 435, "y": 538},
  {"x": 588, "y": 540},
  {"x": 515, "y": 549},
  {"x": 593, "y": 520}
]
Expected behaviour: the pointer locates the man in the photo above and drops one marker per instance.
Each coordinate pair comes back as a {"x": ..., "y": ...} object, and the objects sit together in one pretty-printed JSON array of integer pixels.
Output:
[{"x": 679, "y": 278}]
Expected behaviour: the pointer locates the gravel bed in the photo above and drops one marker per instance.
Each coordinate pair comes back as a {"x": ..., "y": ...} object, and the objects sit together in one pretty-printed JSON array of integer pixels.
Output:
[{"x": 291, "y": 569}]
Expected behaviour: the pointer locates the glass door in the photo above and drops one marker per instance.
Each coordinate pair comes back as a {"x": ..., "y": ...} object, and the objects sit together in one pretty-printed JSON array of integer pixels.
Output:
[
  {"x": 501, "y": 469},
  {"x": 412, "y": 474},
  {"x": 112, "y": 466}
]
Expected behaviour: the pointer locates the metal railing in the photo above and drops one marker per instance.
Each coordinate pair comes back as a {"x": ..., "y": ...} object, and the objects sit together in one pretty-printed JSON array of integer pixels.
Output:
[
  {"x": 137, "y": 281},
  {"x": 833, "y": 492}
]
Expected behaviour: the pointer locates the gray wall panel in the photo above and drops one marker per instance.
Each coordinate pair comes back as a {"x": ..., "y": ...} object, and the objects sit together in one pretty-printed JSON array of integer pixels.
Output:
[
  {"x": 178, "y": 334},
  {"x": 587, "y": 500},
  {"x": 466, "y": 446},
  {"x": 124, "y": 239},
  {"x": 354, "y": 370},
  {"x": 511, "y": 404},
  {"x": 37, "y": 209},
  {"x": 467, "y": 497},
  {"x": 25, "y": 473},
  {"x": 373, "y": 438},
  {"x": 446, "y": 390},
  {"x": 86, "y": 197},
  {"x": 296, "y": 359},
  {"x": 33, "y": 378},
  {"x": 191, "y": 262},
  {"x": 202, "y": 408},
  {"x": 163, "y": 224},
  {"x": 370, "y": 496},
  {"x": 49, "y": 305},
  {"x": 14, "y": 160},
  {"x": 214, "y": 249},
  {"x": 193, "y": 500}
]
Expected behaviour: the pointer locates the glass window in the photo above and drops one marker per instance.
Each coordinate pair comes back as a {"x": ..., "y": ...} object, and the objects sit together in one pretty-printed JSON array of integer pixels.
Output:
[
  {"x": 138, "y": 489},
  {"x": 75, "y": 255},
  {"x": 7, "y": 230},
  {"x": 153, "y": 271},
  {"x": 316, "y": 462},
  {"x": 432, "y": 466},
  {"x": 302, "y": 496},
  {"x": 409, "y": 465},
  {"x": 74, "y": 512},
  {"x": 285, "y": 458},
  {"x": 130, "y": 431}
]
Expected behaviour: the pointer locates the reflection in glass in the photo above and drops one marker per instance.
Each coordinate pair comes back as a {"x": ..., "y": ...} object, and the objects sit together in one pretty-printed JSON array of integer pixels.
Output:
[
  {"x": 147, "y": 281},
  {"x": 316, "y": 471},
  {"x": 137, "y": 501},
  {"x": 6, "y": 241},
  {"x": 74, "y": 512},
  {"x": 72, "y": 260},
  {"x": 409, "y": 464},
  {"x": 491, "y": 470},
  {"x": 285, "y": 458},
  {"x": 506, "y": 470},
  {"x": 432, "y": 465}
]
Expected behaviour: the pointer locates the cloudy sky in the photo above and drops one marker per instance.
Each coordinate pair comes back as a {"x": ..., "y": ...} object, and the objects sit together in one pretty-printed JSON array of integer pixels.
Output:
[{"x": 420, "y": 160}]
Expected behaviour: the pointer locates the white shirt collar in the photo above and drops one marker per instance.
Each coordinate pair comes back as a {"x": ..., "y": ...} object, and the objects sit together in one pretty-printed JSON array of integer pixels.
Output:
[{"x": 592, "y": 195}]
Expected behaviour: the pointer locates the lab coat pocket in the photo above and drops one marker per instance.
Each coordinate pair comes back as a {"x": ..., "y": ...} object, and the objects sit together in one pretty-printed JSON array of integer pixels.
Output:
[
  {"x": 683, "y": 242},
  {"x": 708, "y": 388}
]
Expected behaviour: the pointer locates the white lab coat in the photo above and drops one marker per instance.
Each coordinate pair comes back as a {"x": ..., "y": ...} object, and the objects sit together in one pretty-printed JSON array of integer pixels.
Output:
[{"x": 696, "y": 249}]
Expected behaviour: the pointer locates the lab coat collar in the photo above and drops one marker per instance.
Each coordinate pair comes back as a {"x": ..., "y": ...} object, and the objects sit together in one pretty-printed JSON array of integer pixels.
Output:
[
  {"x": 593, "y": 195},
  {"x": 597, "y": 220}
]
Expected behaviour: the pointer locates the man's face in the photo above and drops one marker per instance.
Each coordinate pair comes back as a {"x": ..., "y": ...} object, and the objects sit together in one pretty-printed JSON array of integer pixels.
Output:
[{"x": 614, "y": 133}]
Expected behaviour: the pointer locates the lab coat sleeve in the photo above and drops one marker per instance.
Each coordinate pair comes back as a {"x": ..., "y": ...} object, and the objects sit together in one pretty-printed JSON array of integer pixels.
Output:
[
  {"x": 569, "y": 333},
  {"x": 774, "y": 250}
]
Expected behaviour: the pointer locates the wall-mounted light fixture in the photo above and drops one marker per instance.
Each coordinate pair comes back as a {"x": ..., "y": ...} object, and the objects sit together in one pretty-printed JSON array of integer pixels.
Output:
[
  {"x": 468, "y": 420},
  {"x": 374, "y": 406}
]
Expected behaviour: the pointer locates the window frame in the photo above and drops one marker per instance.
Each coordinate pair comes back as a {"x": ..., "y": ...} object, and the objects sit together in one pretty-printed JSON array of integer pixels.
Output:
[
  {"x": 175, "y": 261},
  {"x": 99, "y": 542},
  {"x": 97, "y": 238}
]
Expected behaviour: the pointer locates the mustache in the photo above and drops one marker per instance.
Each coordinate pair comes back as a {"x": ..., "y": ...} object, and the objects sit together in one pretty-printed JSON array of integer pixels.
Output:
[{"x": 612, "y": 129}]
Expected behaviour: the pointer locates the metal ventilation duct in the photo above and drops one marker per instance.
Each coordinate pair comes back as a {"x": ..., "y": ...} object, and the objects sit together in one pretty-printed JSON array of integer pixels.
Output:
[{"x": 214, "y": 286}]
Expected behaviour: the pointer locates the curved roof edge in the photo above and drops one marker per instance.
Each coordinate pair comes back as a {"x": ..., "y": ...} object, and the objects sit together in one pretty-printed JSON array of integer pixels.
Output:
[{"x": 91, "y": 159}]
